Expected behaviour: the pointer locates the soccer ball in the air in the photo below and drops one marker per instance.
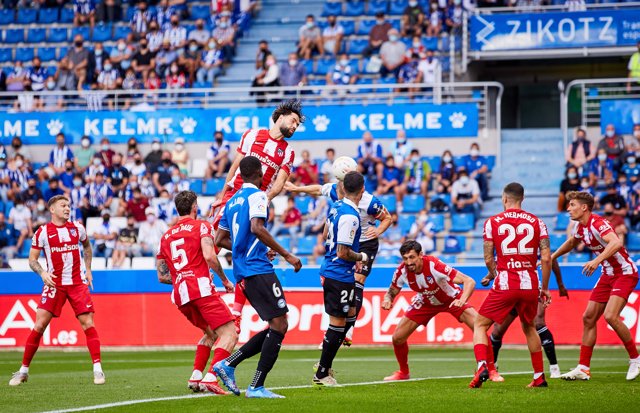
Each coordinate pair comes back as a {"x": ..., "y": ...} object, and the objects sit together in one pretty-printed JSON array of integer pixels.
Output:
[{"x": 342, "y": 166}]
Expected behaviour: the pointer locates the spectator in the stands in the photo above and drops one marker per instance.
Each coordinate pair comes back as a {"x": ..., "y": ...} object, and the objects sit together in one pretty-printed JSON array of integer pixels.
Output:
[
  {"x": 631, "y": 168},
  {"x": 189, "y": 60},
  {"x": 613, "y": 144},
  {"x": 601, "y": 170},
  {"x": 18, "y": 148},
  {"x": 109, "y": 11},
  {"x": 40, "y": 216},
  {"x": 20, "y": 219},
  {"x": 392, "y": 54},
  {"x": 58, "y": 158},
  {"x": 454, "y": 17},
  {"x": 19, "y": 176},
  {"x": 78, "y": 59},
  {"x": 575, "y": 5},
  {"x": 166, "y": 208},
  {"x": 625, "y": 188},
  {"x": 153, "y": 82},
  {"x": 180, "y": 155},
  {"x": 218, "y": 161},
  {"x": 210, "y": 62},
  {"x": 614, "y": 198},
  {"x": 8, "y": 238},
  {"x": 66, "y": 177},
  {"x": 96, "y": 166},
  {"x": 154, "y": 157},
  {"x": 310, "y": 39},
  {"x": 332, "y": 36},
  {"x": 136, "y": 167},
  {"x": 164, "y": 58},
  {"x": 5, "y": 178},
  {"x": 422, "y": 230},
  {"x": 430, "y": 69},
  {"x": 117, "y": 176},
  {"x": 585, "y": 186},
  {"x": 478, "y": 168},
  {"x": 326, "y": 167},
  {"x": 307, "y": 172},
  {"x": 32, "y": 194},
  {"x": 143, "y": 61},
  {"x": 262, "y": 54},
  {"x": 146, "y": 186},
  {"x": 416, "y": 47},
  {"x": 15, "y": 80},
  {"x": 105, "y": 236},
  {"x": 150, "y": 232},
  {"x": 225, "y": 35},
  {"x": 177, "y": 184},
  {"x": 465, "y": 194},
  {"x": 84, "y": 155},
  {"x": 412, "y": 19},
  {"x": 84, "y": 12},
  {"x": 76, "y": 197},
  {"x": 132, "y": 150},
  {"x": 27, "y": 101},
  {"x": 126, "y": 244},
  {"x": 140, "y": 19},
  {"x": 435, "y": 20},
  {"x": 391, "y": 180},
  {"x": 109, "y": 79},
  {"x": 634, "y": 69},
  {"x": 267, "y": 78},
  {"x": 200, "y": 34},
  {"x": 175, "y": 79},
  {"x": 401, "y": 149},
  {"x": 571, "y": 182},
  {"x": 64, "y": 76},
  {"x": 377, "y": 35},
  {"x": 53, "y": 190},
  {"x": 447, "y": 171},
  {"x": 137, "y": 205},
  {"x": 632, "y": 141},
  {"x": 154, "y": 37},
  {"x": 417, "y": 175},
  {"x": 98, "y": 57},
  {"x": 106, "y": 153},
  {"x": 176, "y": 34},
  {"x": 292, "y": 73},
  {"x": 51, "y": 102},
  {"x": 581, "y": 151},
  {"x": 370, "y": 156},
  {"x": 616, "y": 220},
  {"x": 37, "y": 75},
  {"x": 290, "y": 224},
  {"x": 342, "y": 74},
  {"x": 98, "y": 197},
  {"x": 316, "y": 216},
  {"x": 162, "y": 172}
]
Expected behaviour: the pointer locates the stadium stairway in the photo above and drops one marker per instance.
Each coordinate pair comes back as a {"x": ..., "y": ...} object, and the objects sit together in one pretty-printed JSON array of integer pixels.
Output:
[{"x": 278, "y": 22}]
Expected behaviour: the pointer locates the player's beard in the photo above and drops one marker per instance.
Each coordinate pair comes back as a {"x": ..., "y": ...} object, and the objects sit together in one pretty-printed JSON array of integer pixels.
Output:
[{"x": 286, "y": 132}]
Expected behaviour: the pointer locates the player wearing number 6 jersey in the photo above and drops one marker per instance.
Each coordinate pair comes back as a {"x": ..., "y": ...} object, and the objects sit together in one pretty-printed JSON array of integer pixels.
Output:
[
  {"x": 609, "y": 297},
  {"x": 65, "y": 278},
  {"x": 243, "y": 231},
  {"x": 516, "y": 236}
]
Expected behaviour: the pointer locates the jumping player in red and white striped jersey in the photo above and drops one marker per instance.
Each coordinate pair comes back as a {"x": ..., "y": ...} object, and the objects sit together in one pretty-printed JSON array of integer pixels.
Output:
[
  {"x": 516, "y": 236},
  {"x": 65, "y": 278},
  {"x": 275, "y": 154},
  {"x": 609, "y": 296},
  {"x": 435, "y": 282}
]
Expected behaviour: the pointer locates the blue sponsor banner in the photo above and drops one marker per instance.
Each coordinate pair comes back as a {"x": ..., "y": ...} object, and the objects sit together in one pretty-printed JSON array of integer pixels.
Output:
[
  {"x": 623, "y": 114},
  {"x": 602, "y": 28},
  {"x": 198, "y": 125}
]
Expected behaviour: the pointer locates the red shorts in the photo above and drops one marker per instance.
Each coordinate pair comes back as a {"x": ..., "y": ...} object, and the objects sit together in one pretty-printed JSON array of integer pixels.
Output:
[
  {"x": 53, "y": 299},
  {"x": 208, "y": 311},
  {"x": 620, "y": 285},
  {"x": 499, "y": 304},
  {"x": 422, "y": 314},
  {"x": 216, "y": 219}
]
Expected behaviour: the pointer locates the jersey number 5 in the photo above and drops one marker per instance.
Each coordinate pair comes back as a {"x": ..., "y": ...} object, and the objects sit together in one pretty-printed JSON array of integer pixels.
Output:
[
  {"x": 178, "y": 254},
  {"x": 522, "y": 249}
]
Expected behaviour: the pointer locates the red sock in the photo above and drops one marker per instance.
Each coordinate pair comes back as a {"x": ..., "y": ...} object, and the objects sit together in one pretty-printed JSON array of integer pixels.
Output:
[
  {"x": 239, "y": 300},
  {"x": 585, "y": 355},
  {"x": 202, "y": 356},
  {"x": 93, "y": 343},
  {"x": 490, "y": 357},
  {"x": 537, "y": 362},
  {"x": 219, "y": 354},
  {"x": 481, "y": 350},
  {"x": 33, "y": 342},
  {"x": 402, "y": 355},
  {"x": 631, "y": 349}
]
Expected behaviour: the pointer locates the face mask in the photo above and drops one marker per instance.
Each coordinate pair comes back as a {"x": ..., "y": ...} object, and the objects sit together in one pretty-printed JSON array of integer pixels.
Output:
[
  {"x": 77, "y": 183},
  {"x": 32, "y": 187},
  {"x": 143, "y": 46},
  {"x": 631, "y": 159},
  {"x": 78, "y": 44},
  {"x": 98, "y": 52},
  {"x": 174, "y": 22},
  {"x": 413, "y": 3},
  {"x": 457, "y": 2},
  {"x": 212, "y": 45},
  {"x": 380, "y": 22},
  {"x": 584, "y": 185},
  {"x": 85, "y": 143},
  {"x": 608, "y": 213},
  {"x": 151, "y": 219},
  {"x": 96, "y": 161},
  {"x": 474, "y": 152},
  {"x": 393, "y": 38},
  {"x": 293, "y": 62},
  {"x": 193, "y": 48},
  {"x": 19, "y": 163},
  {"x": 154, "y": 28},
  {"x": 602, "y": 157},
  {"x": 224, "y": 25},
  {"x": 610, "y": 133},
  {"x": 145, "y": 182},
  {"x": 622, "y": 182},
  {"x": 68, "y": 168},
  {"x": 581, "y": 137},
  {"x": 174, "y": 69},
  {"x": 309, "y": 25},
  {"x": 636, "y": 134},
  {"x": 20, "y": 208},
  {"x": 105, "y": 147},
  {"x": 344, "y": 62},
  {"x": 2, "y": 164},
  {"x": 36, "y": 67},
  {"x": 446, "y": 158},
  {"x": 105, "y": 220},
  {"x": 415, "y": 159},
  {"x": 51, "y": 85},
  {"x": 572, "y": 175},
  {"x": 108, "y": 67},
  {"x": 434, "y": 6},
  {"x": 40, "y": 207},
  {"x": 199, "y": 27},
  {"x": 179, "y": 147},
  {"x": 125, "y": 64},
  {"x": 133, "y": 185},
  {"x": 138, "y": 161},
  {"x": 416, "y": 45},
  {"x": 155, "y": 146},
  {"x": 219, "y": 140},
  {"x": 464, "y": 180},
  {"x": 175, "y": 179}
]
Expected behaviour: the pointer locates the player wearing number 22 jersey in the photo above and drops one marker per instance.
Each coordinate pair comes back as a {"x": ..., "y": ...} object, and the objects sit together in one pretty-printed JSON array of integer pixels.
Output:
[{"x": 516, "y": 236}]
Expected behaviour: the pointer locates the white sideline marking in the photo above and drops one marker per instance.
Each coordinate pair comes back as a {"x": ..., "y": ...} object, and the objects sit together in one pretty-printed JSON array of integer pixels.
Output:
[{"x": 305, "y": 386}]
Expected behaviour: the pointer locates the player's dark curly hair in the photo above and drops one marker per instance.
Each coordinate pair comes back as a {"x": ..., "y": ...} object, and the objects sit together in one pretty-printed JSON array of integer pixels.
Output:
[
  {"x": 184, "y": 202},
  {"x": 410, "y": 245},
  {"x": 288, "y": 107},
  {"x": 353, "y": 182},
  {"x": 250, "y": 166}
]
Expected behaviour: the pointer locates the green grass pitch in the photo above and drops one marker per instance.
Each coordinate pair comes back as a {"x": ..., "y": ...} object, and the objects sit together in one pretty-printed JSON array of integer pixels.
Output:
[{"x": 63, "y": 380}]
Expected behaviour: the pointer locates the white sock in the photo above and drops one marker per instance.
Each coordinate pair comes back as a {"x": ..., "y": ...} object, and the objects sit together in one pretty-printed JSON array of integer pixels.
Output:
[
  {"x": 209, "y": 377},
  {"x": 554, "y": 366},
  {"x": 196, "y": 375},
  {"x": 349, "y": 334},
  {"x": 24, "y": 369},
  {"x": 537, "y": 375},
  {"x": 97, "y": 367},
  {"x": 480, "y": 363},
  {"x": 583, "y": 367},
  {"x": 635, "y": 359}
]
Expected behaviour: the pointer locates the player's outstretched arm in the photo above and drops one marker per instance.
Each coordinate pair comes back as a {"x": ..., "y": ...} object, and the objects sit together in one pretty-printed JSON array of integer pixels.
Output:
[
  {"x": 490, "y": 262},
  {"x": 87, "y": 256},
  {"x": 278, "y": 185},
  {"x": 390, "y": 297},
  {"x": 261, "y": 232},
  {"x": 313, "y": 190},
  {"x": 613, "y": 245},
  {"x": 223, "y": 239},
  {"x": 209, "y": 253},
  {"x": 385, "y": 222},
  {"x": 545, "y": 260},
  {"x": 346, "y": 253},
  {"x": 35, "y": 266},
  {"x": 164, "y": 276},
  {"x": 468, "y": 286}
]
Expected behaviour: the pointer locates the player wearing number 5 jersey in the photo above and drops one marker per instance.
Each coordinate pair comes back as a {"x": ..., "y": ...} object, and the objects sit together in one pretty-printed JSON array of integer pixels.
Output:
[
  {"x": 243, "y": 231},
  {"x": 609, "y": 297},
  {"x": 516, "y": 236},
  {"x": 65, "y": 278}
]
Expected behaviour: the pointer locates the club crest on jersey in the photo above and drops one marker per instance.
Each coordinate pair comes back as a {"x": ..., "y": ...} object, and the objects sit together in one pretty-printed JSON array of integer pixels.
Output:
[
  {"x": 280, "y": 152},
  {"x": 73, "y": 232},
  {"x": 282, "y": 303},
  {"x": 44, "y": 300},
  {"x": 345, "y": 309}
]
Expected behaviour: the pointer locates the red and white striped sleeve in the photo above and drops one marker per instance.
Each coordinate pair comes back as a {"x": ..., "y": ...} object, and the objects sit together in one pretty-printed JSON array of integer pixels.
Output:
[
  {"x": 399, "y": 277},
  {"x": 39, "y": 238},
  {"x": 247, "y": 140}
]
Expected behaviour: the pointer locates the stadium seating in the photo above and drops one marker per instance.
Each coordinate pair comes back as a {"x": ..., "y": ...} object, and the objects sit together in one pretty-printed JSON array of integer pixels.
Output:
[
  {"x": 633, "y": 241},
  {"x": 47, "y": 16},
  {"x": 562, "y": 221},
  {"x": 413, "y": 203},
  {"x": 462, "y": 222}
]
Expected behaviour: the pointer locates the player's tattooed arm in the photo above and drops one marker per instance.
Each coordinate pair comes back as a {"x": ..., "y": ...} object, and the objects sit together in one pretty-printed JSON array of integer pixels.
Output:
[
  {"x": 209, "y": 253},
  {"x": 346, "y": 253},
  {"x": 164, "y": 276},
  {"x": 489, "y": 259},
  {"x": 87, "y": 253},
  {"x": 33, "y": 261}
]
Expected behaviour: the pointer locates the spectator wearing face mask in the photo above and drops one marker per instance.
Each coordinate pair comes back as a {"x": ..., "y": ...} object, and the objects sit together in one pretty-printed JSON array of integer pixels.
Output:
[
  {"x": 200, "y": 34},
  {"x": 625, "y": 188},
  {"x": 209, "y": 63},
  {"x": 369, "y": 157},
  {"x": 292, "y": 73},
  {"x": 126, "y": 244},
  {"x": 98, "y": 198},
  {"x": 409, "y": 73},
  {"x": 225, "y": 35},
  {"x": 391, "y": 180},
  {"x": 422, "y": 230},
  {"x": 40, "y": 216},
  {"x": 177, "y": 184},
  {"x": 377, "y": 35},
  {"x": 165, "y": 58},
  {"x": 447, "y": 171},
  {"x": 310, "y": 39},
  {"x": 78, "y": 60},
  {"x": 52, "y": 102},
  {"x": 601, "y": 172},
  {"x": 99, "y": 55},
  {"x": 162, "y": 173},
  {"x": 136, "y": 167},
  {"x": 307, "y": 172},
  {"x": 478, "y": 168},
  {"x": 94, "y": 168},
  {"x": 581, "y": 151},
  {"x": 154, "y": 37},
  {"x": 585, "y": 186},
  {"x": 150, "y": 232},
  {"x": 465, "y": 194},
  {"x": 412, "y": 19},
  {"x": 105, "y": 237},
  {"x": 137, "y": 206},
  {"x": 176, "y": 35},
  {"x": 5, "y": 178},
  {"x": 143, "y": 61},
  {"x": 32, "y": 194},
  {"x": 180, "y": 156},
  {"x": 15, "y": 80},
  {"x": 332, "y": 35},
  {"x": 454, "y": 17},
  {"x": 76, "y": 198},
  {"x": 175, "y": 79},
  {"x": 19, "y": 176},
  {"x": 58, "y": 157},
  {"x": 632, "y": 142},
  {"x": 430, "y": 69},
  {"x": 617, "y": 201},
  {"x": 342, "y": 74},
  {"x": 616, "y": 220},
  {"x": 18, "y": 148},
  {"x": 37, "y": 75},
  {"x": 20, "y": 219},
  {"x": 401, "y": 149},
  {"x": 571, "y": 182},
  {"x": 326, "y": 166},
  {"x": 84, "y": 155},
  {"x": 140, "y": 19},
  {"x": 188, "y": 60},
  {"x": 117, "y": 176},
  {"x": 267, "y": 78},
  {"x": 218, "y": 156},
  {"x": 106, "y": 153},
  {"x": 434, "y": 21},
  {"x": 392, "y": 54},
  {"x": 417, "y": 175},
  {"x": 154, "y": 157},
  {"x": 53, "y": 190},
  {"x": 613, "y": 145}
]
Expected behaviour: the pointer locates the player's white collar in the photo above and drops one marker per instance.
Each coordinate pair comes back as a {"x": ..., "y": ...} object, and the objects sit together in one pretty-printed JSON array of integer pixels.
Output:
[
  {"x": 248, "y": 185},
  {"x": 349, "y": 202}
]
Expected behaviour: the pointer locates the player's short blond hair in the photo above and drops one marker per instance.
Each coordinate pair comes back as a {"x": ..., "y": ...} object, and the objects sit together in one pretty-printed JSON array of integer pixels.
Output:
[
  {"x": 584, "y": 198},
  {"x": 57, "y": 198}
]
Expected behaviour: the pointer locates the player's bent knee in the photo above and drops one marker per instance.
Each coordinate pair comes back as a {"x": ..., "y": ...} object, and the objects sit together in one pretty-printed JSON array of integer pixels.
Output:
[
  {"x": 611, "y": 318},
  {"x": 398, "y": 340}
]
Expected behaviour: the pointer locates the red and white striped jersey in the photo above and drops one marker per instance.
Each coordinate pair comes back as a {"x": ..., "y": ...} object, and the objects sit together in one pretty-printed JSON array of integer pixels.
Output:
[
  {"x": 435, "y": 283},
  {"x": 273, "y": 154},
  {"x": 62, "y": 249},
  {"x": 516, "y": 236},
  {"x": 592, "y": 235},
  {"x": 181, "y": 249}
]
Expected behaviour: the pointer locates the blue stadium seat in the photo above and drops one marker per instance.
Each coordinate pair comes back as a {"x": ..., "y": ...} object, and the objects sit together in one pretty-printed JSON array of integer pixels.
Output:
[
  {"x": 7, "y": 16},
  {"x": 47, "y": 16},
  {"x": 36, "y": 35},
  {"x": 430, "y": 43},
  {"x": 406, "y": 221},
  {"x": 121, "y": 32},
  {"x": 438, "y": 222},
  {"x": 82, "y": 30},
  {"x": 365, "y": 81},
  {"x": 195, "y": 185},
  {"x": 389, "y": 201},
  {"x": 24, "y": 54},
  {"x": 284, "y": 240},
  {"x": 306, "y": 245},
  {"x": 200, "y": 12},
  {"x": 51, "y": 70},
  {"x": 388, "y": 259},
  {"x": 354, "y": 8},
  {"x": 317, "y": 82},
  {"x": 101, "y": 33},
  {"x": 357, "y": 46},
  {"x": 213, "y": 186},
  {"x": 365, "y": 26},
  {"x": 377, "y": 6},
  {"x": 66, "y": 15},
  {"x": 448, "y": 259},
  {"x": 334, "y": 7},
  {"x": 445, "y": 197},
  {"x": 434, "y": 162},
  {"x": 556, "y": 240},
  {"x": 462, "y": 222},
  {"x": 413, "y": 203},
  {"x": 453, "y": 247},
  {"x": 62, "y": 51},
  {"x": 6, "y": 54},
  {"x": 578, "y": 257},
  {"x": 562, "y": 221},
  {"x": 46, "y": 54},
  {"x": 7, "y": 207},
  {"x": 633, "y": 241},
  {"x": 324, "y": 66},
  {"x": 302, "y": 203},
  {"x": 308, "y": 65},
  {"x": 26, "y": 247},
  {"x": 58, "y": 35},
  {"x": 349, "y": 27},
  {"x": 396, "y": 8},
  {"x": 26, "y": 16},
  {"x": 14, "y": 35}
]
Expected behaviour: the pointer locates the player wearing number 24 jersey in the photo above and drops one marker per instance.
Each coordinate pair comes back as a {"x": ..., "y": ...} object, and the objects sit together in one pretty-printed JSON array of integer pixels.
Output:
[{"x": 516, "y": 236}]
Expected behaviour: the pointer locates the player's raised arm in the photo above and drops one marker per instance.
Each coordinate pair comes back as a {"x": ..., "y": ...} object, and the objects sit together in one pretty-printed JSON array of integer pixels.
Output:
[
  {"x": 385, "y": 222},
  {"x": 278, "y": 185},
  {"x": 164, "y": 276},
  {"x": 468, "y": 286},
  {"x": 223, "y": 239},
  {"x": 313, "y": 190}
]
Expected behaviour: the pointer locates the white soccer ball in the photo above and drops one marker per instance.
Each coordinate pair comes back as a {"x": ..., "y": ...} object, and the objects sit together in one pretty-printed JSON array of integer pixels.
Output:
[{"x": 342, "y": 166}]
